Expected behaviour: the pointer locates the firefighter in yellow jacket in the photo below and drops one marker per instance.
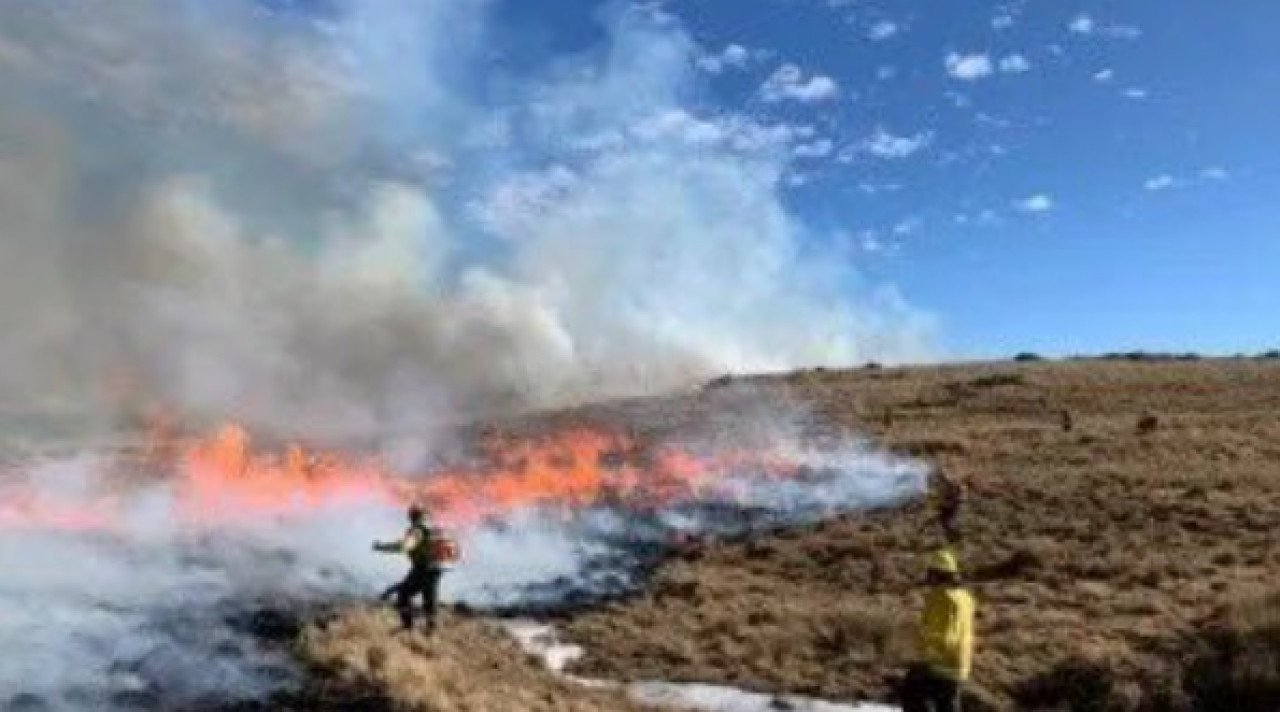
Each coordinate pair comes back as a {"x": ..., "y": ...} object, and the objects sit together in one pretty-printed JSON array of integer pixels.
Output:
[
  {"x": 420, "y": 544},
  {"x": 934, "y": 683}
]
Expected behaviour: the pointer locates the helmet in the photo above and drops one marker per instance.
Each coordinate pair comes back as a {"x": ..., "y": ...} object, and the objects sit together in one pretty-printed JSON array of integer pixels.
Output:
[
  {"x": 944, "y": 561},
  {"x": 417, "y": 512}
]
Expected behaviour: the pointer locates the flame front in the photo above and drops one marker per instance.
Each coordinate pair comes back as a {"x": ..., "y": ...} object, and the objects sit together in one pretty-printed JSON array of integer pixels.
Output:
[{"x": 223, "y": 479}]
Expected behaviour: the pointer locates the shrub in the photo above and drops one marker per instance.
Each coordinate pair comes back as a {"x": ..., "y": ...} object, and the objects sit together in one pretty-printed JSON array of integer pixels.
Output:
[
  {"x": 1238, "y": 668},
  {"x": 999, "y": 379},
  {"x": 1028, "y": 356},
  {"x": 1076, "y": 684}
]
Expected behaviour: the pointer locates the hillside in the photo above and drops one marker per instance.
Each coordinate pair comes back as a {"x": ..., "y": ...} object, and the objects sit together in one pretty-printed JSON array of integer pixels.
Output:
[
  {"x": 1104, "y": 555},
  {"x": 1120, "y": 535}
]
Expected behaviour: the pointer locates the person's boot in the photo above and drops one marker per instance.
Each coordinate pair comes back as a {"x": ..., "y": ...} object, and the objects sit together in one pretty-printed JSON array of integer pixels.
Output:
[{"x": 406, "y": 619}]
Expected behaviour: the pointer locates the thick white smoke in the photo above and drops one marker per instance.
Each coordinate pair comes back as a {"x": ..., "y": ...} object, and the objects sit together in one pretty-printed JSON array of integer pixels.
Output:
[
  {"x": 353, "y": 219},
  {"x": 349, "y": 219},
  {"x": 149, "y": 608}
]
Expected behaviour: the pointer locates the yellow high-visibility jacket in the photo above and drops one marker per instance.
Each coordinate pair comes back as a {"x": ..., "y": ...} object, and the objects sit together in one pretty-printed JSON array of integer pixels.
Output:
[{"x": 946, "y": 632}]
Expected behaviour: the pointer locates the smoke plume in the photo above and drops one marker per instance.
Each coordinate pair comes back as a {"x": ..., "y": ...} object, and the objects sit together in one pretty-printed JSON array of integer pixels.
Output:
[
  {"x": 356, "y": 217},
  {"x": 351, "y": 218}
]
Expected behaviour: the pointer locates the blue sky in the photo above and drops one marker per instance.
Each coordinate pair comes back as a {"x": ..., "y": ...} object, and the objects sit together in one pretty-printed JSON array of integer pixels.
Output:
[{"x": 1061, "y": 177}]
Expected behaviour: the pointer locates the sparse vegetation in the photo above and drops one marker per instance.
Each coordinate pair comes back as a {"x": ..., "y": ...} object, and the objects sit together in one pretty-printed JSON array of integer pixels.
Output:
[
  {"x": 363, "y": 664},
  {"x": 1104, "y": 561}
]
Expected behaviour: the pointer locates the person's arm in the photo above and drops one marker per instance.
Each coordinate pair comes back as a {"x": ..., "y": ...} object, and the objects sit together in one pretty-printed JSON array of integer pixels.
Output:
[{"x": 406, "y": 543}]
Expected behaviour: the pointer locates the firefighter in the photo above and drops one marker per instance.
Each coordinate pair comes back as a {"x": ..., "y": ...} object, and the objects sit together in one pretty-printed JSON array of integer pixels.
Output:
[
  {"x": 427, "y": 549},
  {"x": 934, "y": 683},
  {"x": 949, "y": 493}
]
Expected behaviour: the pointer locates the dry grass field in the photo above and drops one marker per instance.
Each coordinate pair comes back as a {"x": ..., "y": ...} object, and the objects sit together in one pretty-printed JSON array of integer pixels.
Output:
[
  {"x": 1121, "y": 534},
  {"x": 359, "y": 661},
  {"x": 1118, "y": 567}
]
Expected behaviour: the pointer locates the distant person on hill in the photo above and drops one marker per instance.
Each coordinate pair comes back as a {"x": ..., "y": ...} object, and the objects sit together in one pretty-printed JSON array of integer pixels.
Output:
[
  {"x": 949, "y": 493},
  {"x": 934, "y": 683},
  {"x": 429, "y": 552}
]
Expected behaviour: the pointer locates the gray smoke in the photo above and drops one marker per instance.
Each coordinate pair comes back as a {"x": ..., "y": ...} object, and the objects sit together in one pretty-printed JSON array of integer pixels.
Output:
[
  {"x": 152, "y": 609},
  {"x": 356, "y": 221}
]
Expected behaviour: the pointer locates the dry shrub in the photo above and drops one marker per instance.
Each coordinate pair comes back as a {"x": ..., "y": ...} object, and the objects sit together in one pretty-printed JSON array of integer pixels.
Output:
[
  {"x": 1080, "y": 684},
  {"x": 1239, "y": 669},
  {"x": 846, "y": 629},
  {"x": 1018, "y": 564},
  {"x": 932, "y": 447},
  {"x": 996, "y": 380}
]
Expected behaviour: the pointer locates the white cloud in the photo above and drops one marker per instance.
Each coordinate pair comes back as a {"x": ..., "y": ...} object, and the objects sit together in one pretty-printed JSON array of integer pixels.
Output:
[
  {"x": 1086, "y": 25},
  {"x": 886, "y": 72},
  {"x": 733, "y": 56},
  {"x": 789, "y": 82},
  {"x": 1083, "y": 25},
  {"x": 987, "y": 216},
  {"x": 821, "y": 148},
  {"x": 1121, "y": 32},
  {"x": 680, "y": 127},
  {"x": 1015, "y": 64},
  {"x": 1104, "y": 76},
  {"x": 888, "y": 146},
  {"x": 969, "y": 67},
  {"x": 882, "y": 30},
  {"x": 870, "y": 242},
  {"x": 1002, "y": 21},
  {"x": 1038, "y": 203},
  {"x": 907, "y": 226},
  {"x": 1166, "y": 181},
  {"x": 1135, "y": 93}
]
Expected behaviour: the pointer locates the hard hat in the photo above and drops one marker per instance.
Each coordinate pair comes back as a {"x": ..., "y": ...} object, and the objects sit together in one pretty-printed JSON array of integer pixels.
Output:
[{"x": 944, "y": 561}]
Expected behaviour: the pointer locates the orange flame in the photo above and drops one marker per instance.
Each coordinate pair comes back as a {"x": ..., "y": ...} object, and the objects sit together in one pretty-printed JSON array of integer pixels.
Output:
[{"x": 223, "y": 479}]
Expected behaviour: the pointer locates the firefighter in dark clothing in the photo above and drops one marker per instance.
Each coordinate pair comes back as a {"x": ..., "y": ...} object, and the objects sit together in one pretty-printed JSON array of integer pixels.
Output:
[
  {"x": 420, "y": 544},
  {"x": 949, "y": 493}
]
